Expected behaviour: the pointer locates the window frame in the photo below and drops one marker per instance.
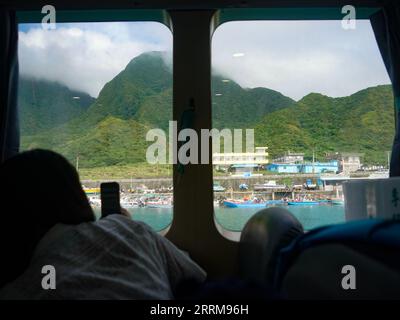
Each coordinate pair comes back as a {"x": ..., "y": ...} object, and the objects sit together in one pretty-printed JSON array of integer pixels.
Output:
[
  {"x": 103, "y": 15},
  {"x": 226, "y": 15}
]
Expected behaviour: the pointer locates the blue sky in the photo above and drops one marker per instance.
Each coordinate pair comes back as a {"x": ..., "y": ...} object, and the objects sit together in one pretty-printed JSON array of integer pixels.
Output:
[{"x": 293, "y": 57}]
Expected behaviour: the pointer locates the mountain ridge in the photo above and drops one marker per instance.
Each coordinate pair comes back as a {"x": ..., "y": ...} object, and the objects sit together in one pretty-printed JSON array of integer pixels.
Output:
[{"x": 140, "y": 98}]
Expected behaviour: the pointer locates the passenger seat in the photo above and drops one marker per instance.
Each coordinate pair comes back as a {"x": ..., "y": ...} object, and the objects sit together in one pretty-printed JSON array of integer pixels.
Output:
[{"x": 353, "y": 260}]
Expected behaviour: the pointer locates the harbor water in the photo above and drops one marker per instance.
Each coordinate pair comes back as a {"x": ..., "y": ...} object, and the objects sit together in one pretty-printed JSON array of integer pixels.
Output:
[{"x": 234, "y": 219}]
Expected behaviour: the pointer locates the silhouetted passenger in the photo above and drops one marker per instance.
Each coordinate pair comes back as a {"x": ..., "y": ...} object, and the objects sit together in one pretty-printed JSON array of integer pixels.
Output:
[
  {"x": 39, "y": 189},
  {"x": 47, "y": 220}
]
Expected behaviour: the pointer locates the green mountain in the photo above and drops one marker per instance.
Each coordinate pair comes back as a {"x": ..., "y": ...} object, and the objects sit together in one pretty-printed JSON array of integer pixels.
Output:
[
  {"x": 112, "y": 130},
  {"x": 362, "y": 122},
  {"x": 111, "y": 141},
  {"x": 146, "y": 80},
  {"x": 44, "y": 105},
  {"x": 237, "y": 108},
  {"x": 143, "y": 92}
]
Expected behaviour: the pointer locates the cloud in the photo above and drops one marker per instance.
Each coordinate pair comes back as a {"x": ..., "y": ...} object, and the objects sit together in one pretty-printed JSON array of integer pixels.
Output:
[
  {"x": 85, "y": 56},
  {"x": 292, "y": 57},
  {"x": 299, "y": 57}
]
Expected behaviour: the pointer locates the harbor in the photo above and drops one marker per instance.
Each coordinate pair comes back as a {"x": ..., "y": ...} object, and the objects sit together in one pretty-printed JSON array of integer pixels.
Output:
[
  {"x": 141, "y": 195},
  {"x": 234, "y": 191},
  {"x": 235, "y": 200},
  {"x": 315, "y": 198},
  {"x": 234, "y": 219}
]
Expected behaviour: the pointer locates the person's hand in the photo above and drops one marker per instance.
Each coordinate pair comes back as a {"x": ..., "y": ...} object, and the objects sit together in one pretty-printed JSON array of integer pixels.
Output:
[{"x": 125, "y": 212}]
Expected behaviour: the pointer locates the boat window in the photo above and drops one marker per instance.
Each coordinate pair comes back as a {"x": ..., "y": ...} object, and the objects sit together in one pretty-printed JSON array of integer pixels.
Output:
[
  {"x": 93, "y": 92},
  {"x": 320, "y": 103}
]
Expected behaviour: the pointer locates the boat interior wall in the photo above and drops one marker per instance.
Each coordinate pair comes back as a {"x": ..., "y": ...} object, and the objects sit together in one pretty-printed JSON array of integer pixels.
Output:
[
  {"x": 267, "y": 232},
  {"x": 315, "y": 258},
  {"x": 9, "y": 131},
  {"x": 192, "y": 81},
  {"x": 186, "y": 4},
  {"x": 162, "y": 16},
  {"x": 193, "y": 228},
  {"x": 386, "y": 26}
]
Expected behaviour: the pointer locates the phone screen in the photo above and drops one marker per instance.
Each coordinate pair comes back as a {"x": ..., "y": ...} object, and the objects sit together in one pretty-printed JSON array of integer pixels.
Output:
[{"x": 110, "y": 204}]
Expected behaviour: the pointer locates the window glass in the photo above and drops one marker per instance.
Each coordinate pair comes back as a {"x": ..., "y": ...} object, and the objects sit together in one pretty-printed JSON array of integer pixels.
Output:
[
  {"x": 92, "y": 91},
  {"x": 320, "y": 103}
]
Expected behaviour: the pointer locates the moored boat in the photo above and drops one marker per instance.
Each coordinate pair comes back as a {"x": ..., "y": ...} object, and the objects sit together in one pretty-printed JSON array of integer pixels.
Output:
[
  {"x": 250, "y": 204},
  {"x": 129, "y": 203},
  {"x": 244, "y": 204},
  {"x": 91, "y": 190}
]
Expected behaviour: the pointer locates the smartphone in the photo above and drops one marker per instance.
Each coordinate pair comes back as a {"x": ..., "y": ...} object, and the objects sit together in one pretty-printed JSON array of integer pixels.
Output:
[{"x": 109, "y": 195}]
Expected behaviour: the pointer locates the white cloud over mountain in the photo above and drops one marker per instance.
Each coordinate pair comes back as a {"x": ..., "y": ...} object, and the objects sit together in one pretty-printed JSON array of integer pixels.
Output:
[
  {"x": 87, "y": 56},
  {"x": 293, "y": 57}
]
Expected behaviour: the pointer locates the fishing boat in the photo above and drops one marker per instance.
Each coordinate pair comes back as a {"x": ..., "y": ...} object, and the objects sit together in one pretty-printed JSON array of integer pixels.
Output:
[
  {"x": 91, "y": 190},
  {"x": 163, "y": 203},
  {"x": 244, "y": 204},
  {"x": 127, "y": 203},
  {"x": 250, "y": 204}
]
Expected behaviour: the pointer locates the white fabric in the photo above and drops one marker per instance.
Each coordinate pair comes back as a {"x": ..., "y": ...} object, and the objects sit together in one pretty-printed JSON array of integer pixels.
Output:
[{"x": 114, "y": 258}]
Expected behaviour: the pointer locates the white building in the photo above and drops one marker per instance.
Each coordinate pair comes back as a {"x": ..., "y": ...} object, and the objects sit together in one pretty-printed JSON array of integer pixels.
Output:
[
  {"x": 290, "y": 157},
  {"x": 348, "y": 161},
  {"x": 257, "y": 158}
]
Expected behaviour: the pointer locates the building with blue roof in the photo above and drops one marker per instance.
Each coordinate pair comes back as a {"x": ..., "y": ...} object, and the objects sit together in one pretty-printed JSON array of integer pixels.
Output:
[{"x": 316, "y": 167}]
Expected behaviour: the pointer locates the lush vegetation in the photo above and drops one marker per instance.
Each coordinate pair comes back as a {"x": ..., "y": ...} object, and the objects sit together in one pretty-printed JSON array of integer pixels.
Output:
[
  {"x": 44, "y": 105},
  {"x": 107, "y": 135},
  {"x": 140, "y": 170},
  {"x": 362, "y": 122},
  {"x": 234, "y": 107}
]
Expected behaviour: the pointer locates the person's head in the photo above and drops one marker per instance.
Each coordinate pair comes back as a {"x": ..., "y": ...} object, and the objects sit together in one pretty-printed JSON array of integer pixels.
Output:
[{"x": 38, "y": 189}]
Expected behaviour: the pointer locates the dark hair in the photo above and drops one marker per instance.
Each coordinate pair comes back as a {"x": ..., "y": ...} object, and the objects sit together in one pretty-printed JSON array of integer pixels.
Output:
[{"x": 38, "y": 189}]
